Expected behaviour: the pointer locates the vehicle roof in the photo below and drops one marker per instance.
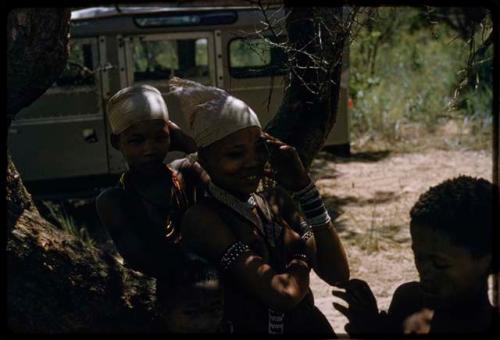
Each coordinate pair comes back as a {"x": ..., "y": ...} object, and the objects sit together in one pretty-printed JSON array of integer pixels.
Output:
[{"x": 119, "y": 10}]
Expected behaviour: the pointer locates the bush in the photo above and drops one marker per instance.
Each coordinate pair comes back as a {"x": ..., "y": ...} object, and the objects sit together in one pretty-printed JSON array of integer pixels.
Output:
[{"x": 405, "y": 70}]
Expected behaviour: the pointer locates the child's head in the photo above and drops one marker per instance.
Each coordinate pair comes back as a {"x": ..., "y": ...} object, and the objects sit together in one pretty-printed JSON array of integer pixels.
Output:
[
  {"x": 192, "y": 301},
  {"x": 227, "y": 133},
  {"x": 451, "y": 228},
  {"x": 138, "y": 119}
]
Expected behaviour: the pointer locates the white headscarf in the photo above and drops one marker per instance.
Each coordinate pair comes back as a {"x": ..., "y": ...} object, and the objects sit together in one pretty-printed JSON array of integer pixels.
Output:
[
  {"x": 135, "y": 104},
  {"x": 213, "y": 113}
]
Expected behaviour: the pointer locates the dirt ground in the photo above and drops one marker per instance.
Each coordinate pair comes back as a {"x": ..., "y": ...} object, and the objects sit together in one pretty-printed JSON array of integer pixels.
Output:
[{"x": 370, "y": 196}]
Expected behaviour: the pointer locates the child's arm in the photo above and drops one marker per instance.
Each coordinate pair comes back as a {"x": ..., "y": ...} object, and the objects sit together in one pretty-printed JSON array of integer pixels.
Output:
[
  {"x": 179, "y": 140},
  {"x": 323, "y": 245},
  {"x": 207, "y": 235}
]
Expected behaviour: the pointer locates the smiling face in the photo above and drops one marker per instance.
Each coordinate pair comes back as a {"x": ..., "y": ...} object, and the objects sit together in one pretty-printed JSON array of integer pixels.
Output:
[
  {"x": 144, "y": 145},
  {"x": 447, "y": 271},
  {"x": 236, "y": 162},
  {"x": 199, "y": 309}
]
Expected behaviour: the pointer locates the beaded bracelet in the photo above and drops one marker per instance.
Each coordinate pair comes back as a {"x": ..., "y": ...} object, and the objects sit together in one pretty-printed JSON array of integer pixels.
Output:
[
  {"x": 232, "y": 253},
  {"x": 312, "y": 205},
  {"x": 306, "y": 236},
  {"x": 302, "y": 257}
]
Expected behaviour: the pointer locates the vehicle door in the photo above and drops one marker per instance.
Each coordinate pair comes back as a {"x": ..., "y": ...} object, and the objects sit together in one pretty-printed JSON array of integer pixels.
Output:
[{"x": 62, "y": 134}]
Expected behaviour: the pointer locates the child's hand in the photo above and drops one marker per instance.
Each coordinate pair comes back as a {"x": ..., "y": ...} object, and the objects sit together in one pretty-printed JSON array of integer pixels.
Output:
[
  {"x": 288, "y": 169},
  {"x": 362, "y": 310},
  {"x": 418, "y": 323},
  {"x": 179, "y": 140}
]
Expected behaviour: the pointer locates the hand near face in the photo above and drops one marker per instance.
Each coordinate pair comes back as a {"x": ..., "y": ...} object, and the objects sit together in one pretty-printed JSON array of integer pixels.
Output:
[
  {"x": 179, "y": 140},
  {"x": 361, "y": 310},
  {"x": 288, "y": 169}
]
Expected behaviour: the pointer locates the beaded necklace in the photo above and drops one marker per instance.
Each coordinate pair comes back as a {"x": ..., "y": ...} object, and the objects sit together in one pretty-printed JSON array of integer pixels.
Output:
[{"x": 244, "y": 209}]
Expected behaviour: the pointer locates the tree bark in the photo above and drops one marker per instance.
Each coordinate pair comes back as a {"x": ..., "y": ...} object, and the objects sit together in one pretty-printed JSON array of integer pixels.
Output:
[
  {"x": 308, "y": 110},
  {"x": 55, "y": 282},
  {"x": 37, "y": 49}
]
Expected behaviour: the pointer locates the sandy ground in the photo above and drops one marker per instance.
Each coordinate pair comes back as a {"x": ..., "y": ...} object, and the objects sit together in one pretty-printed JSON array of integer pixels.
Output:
[{"x": 371, "y": 195}]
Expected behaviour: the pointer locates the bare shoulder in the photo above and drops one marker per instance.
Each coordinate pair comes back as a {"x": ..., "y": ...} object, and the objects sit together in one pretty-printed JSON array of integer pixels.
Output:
[
  {"x": 408, "y": 290},
  {"x": 201, "y": 218},
  {"x": 204, "y": 229},
  {"x": 406, "y": 298},
  {"x": 112, "y": 206},
  {"x": 110, "y": 198}
]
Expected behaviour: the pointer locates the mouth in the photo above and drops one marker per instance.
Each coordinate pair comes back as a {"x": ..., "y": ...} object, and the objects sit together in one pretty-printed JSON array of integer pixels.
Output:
[
  {"x": 151, "y": 165},
  {"x": 429, "y": 290}
]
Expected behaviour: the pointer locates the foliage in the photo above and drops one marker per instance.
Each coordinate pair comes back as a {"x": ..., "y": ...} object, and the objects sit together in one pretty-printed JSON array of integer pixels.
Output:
[
  {"x": 407, "y": 69},
  {"x": 67, "y": 223}
]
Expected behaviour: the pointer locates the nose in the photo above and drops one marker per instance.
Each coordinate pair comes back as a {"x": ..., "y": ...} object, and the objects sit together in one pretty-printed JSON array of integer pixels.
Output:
[
  {"x": 150, "y": 148},
  {"x": 254, "y": 158}
]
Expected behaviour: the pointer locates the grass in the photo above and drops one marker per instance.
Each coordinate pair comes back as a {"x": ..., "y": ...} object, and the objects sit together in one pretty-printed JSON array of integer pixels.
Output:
[
  {"x": 68, "y": 224},
  {"x": 408, "y": 86}
]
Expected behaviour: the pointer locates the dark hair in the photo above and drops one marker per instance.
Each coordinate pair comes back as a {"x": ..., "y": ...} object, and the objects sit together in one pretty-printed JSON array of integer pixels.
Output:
[
  {"x": 462, "y": 208},
  {"x": 188, "y": 270}
]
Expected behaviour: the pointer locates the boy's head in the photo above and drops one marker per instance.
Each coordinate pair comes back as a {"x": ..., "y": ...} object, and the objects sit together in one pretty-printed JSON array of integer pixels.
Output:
[
  {"x": 451, "y": 228},
  {"x": 138, "y": 119},
  {"x": 192, "y": 300}
]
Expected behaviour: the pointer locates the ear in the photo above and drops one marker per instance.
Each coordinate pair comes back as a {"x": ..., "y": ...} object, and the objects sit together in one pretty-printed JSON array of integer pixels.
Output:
[{"x": 115, "y": 141}]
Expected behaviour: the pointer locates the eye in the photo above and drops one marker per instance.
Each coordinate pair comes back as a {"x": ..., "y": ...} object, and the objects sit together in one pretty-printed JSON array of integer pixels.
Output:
[
  {"x": 161, "y": 137},
  {"x": 440, "y": 264},
  {"x": 135, "y": 140},
  {"x": 235, "y": 154}
]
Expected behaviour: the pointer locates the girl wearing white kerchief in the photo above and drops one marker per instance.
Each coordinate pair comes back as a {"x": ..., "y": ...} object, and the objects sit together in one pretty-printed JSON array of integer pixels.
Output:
[
  {"x": 143, "y": 212},
  {"x": 265, "y": 262}
]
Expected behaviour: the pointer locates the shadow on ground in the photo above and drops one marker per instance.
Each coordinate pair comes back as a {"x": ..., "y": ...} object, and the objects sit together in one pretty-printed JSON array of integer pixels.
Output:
[
  {"x": 363, "y": 156},
  {"x": 335, "y": 204}
]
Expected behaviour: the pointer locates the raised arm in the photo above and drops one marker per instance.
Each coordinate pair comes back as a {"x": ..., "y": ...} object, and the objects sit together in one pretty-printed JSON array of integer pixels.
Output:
[
  {"x": 323, "y": 244},
  {"x": 179, "y": 140},
  {"x": 206, "y": 233}
]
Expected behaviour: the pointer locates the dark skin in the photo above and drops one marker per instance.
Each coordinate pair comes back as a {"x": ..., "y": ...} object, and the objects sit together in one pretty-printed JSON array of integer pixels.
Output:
[
  {"x": 144, "y": 146},
  {"x": 451, "y": 295},
  {"x": 197, "y": 308},
  {"x": 236, "y": 164}
]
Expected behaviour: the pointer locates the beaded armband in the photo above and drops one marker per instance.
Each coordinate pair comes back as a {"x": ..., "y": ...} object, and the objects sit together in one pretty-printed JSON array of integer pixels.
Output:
[{"x": 232, "y": 254}]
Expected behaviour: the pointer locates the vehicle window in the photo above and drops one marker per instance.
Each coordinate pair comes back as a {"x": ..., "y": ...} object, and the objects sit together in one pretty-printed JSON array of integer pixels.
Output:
[
  {"x": 180, "y": 19},
  {"x": 255, "y": 58},
  {"x": 79, "y": 69},
  {"x": 160, "y": 59}
]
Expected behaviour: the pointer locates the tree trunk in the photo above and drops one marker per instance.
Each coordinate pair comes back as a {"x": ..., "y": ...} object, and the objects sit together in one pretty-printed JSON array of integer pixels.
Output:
[
  {"x": 308, "y": 110},
  {"x": 55, "y": 282},
  {"x": 37, "y": 52}
]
